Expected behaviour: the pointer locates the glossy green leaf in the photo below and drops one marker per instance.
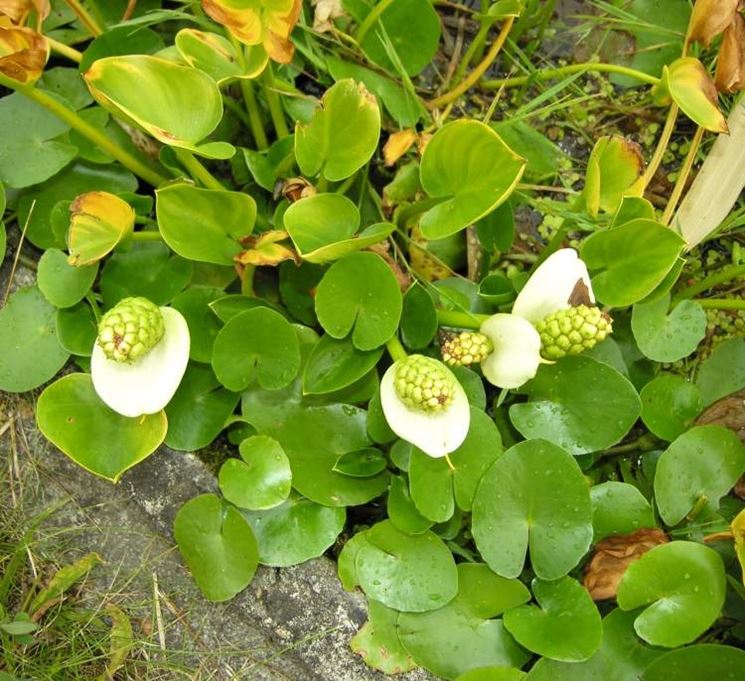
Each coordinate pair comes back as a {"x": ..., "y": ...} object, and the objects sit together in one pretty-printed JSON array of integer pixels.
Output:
[
  {"x": 295, "y": 531},
  {"x": 462, "y": 635},
  {"x": 31, "y": 153},
  {"x": 30, "y": 352},
  {"x": 205, "y": 225},
  {"x": 121, "y": 40},
  {"x": 71, "y": 415},
  {"x": 216, "y": 56},
  {"x": 668, "y": 337},
  {"x": 62, "y": 284},
  {"x": 401, "y": 509},
  {"x": 621, "y": 657},
  {"x": 361, "y": 463},
  {"x": 418, "y": 318},
  {"x": 703, "y": 463},
  {"x": 670, "y": 403},
  {"x": 262, "y": 479},
  {"x": 578, "y": 403},
  {"x": 618, "y": 508},
  {"x": 410, "y": 573},
  {"x": 343, "y": 134},
  {"x": 218, "y": 545},
  {"x": 534, "y": 497},
  {"x": 198, "y": 411},
  {"x": 565, "y": 625},
  {"x": 335, "y": 364},
  {"x": 162, "y": 102},
  {"x": 77, "y": 329},
  {"x": 295, "y": 287},
  {"x": 628, "y": 262},
  {"x": 683, "y": 584},
  {"x": 700, "y": 662},
  {"x": 359, "y": 294},
  {"x": 377, "y": 641},
  {"x": 431, "y": 486},
  {"x": 542, "y": 155},
  {"x": 202, "y": 321},
  {"x": 258, "y": 344},
  {"x": 493, "y": 674},
  {"x": 471, "y": 170},
  {"x": 722, "y": 372}
]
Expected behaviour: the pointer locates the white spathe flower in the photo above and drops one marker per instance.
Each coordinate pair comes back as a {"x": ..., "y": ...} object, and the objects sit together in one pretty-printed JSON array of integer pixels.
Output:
[
  {"x": 147, "y": 384},
  {"x": 425, "y": 405},
  {"x": 517, "y": 344}
]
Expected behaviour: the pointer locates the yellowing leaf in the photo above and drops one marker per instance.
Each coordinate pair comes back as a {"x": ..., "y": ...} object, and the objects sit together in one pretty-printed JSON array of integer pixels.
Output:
[
  {"x": 63, "y": 579},
  {"x": 99, "y": 222},
  {"x": 709, "y": 18},
  {"x": 614, "y": 170},
  {"x": 738, "y": 532},
  {"x": 18, "y": 10},
  {"x": 23, "y": 54},
  {"x": 692, "y": 89},
  {"x": 266, "y": 249},
  {"x": 730, "y": 73},
  {"x": 397, "y": 145}
]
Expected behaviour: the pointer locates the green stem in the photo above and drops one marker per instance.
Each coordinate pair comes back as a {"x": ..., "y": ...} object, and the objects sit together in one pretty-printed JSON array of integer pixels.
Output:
[
  {"x": 371, "y": 18},
  {"x": 461, "y": 320},
  {"x": 699, "y": 506},
  {"x": 721, "y": 303},
  {"x": 65, "y": 50},
  {"x": 275, "y": 106},
  {"x": 196, "y": 169},
  {"x": 249, "y": 98},
  {"x": 86, "y": 19},
  {"x": 87, "y": 130},
  {"x": 476, "y": 44},
  {"x": 147, "y": 236},
  {"x": 247, "y": 282},
  {"x": 721, "y": 277},
  {"x": 395, "y": 349},
  {"x": 685, "y": 171},
  {"x": 343, "y": 188},
  {"x": 91, "y": 298},
  {"x": 589, "y": 67},
  {"x": 659, "y": 152}
]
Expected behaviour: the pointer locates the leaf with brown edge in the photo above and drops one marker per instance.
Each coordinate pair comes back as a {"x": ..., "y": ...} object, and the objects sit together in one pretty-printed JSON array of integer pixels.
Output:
[
  {"x": 613, "y": 555},
  {"x": 614, "y": 170},
  {"x": 19, "y": 10},
  {"x": 709, "y": 18},
  {"x": 23, "y": 54},
  {"x": 691, "y": 87},
  {"x": 266, "y": 249},
  {"x": 730, "y": 73},
  {"x": 98, "y": 223}
]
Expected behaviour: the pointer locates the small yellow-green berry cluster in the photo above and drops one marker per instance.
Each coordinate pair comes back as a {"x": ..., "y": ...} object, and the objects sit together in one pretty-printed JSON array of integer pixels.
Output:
[
  {"x": 572, "y": 331},
  {"x": 464, "y": 348},
  {"x": 130, "y": 329},
  {"x": 424, "y": 383}
]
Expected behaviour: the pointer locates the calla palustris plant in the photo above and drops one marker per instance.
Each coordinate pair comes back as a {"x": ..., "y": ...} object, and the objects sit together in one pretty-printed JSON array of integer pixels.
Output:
[{"x": 259, "y": 252}]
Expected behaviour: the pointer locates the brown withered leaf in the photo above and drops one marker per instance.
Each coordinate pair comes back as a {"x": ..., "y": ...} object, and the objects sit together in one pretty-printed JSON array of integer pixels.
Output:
[
  {"x": 23, "y": 54},
  {"x": 730, "y": 73},
  {"x": 397, "y": 145},
  {"x": 613, "y": 555},
  {"x": 325, "y": 13},
  {"x": 18, "y": 10},
  {"x": 709, "y": 18},
  {"x": 266, "y": 249},
  {"x": 580, "y": 295}
]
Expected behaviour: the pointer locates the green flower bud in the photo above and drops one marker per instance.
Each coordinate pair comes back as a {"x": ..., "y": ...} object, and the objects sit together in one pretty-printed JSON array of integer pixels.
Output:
[
  {"x": 464, "y": 348},
  {"x": 424, "y": 383},
  {"x": 572, "y": 331},
  {"x": 130, "y": 329}
]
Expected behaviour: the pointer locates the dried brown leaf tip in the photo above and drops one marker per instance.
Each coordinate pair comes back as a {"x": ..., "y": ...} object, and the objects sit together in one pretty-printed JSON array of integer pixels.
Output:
[
  {"x": 268, "y": 23},
  {"x": 613, "y": 555},
  {"x": 18, "y": 11},
  {"x": 730, "y": 73},
  {"x": 709, "y": 18},
  {"x": 397, "y": 145},
  {"x": 23, "y": 53}
]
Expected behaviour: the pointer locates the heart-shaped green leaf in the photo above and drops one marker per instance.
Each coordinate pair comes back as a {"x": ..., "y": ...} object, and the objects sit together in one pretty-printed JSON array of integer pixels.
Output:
[
  {"x": 362, "y": 463},
  {"x": 62, "y": 284},
  {"x": 262, "y": 479},
  {"x": 462, "y": 635},
  {"x": 702, "y": 465},
  {"x": 198, "y": 411},
  {"x": 722, "y": 372},
  {"x": 401, "y": 509},
  {"x": 667, "y": 337},
  {"x": 418, "y": 318},
  {"x": 205, "y": 225},
  {"x": 30, "y": 352},
  {"x": 71, "y": 415},
  {"x": 77, "y": 329},
  {"x": 468, "y": 167},
  {"x": 628, "y": 262},
  {"x": 579, "y": 403},
  {"x": 295, "y": 531},
  {"x": 669, "y": 405},
  {"x": 618, "y": 508},
  {"x": 359, "y": 294},
  {"x": 701, "y": 662},
  {"x": 218, "y": 546},
  {"x": 334, "y": 364},
  {"x": 259, "y": 343},
  {"x": 565, "y": 625},
  {"x": 534, "y": 497},
  {"x": 410, "y": 573},
  {"x": 683, "y": 584},
  {"x": 621, "y": 657},
  {"x": 342, "y": 135},
  {"x": 162, "y": 102}
]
